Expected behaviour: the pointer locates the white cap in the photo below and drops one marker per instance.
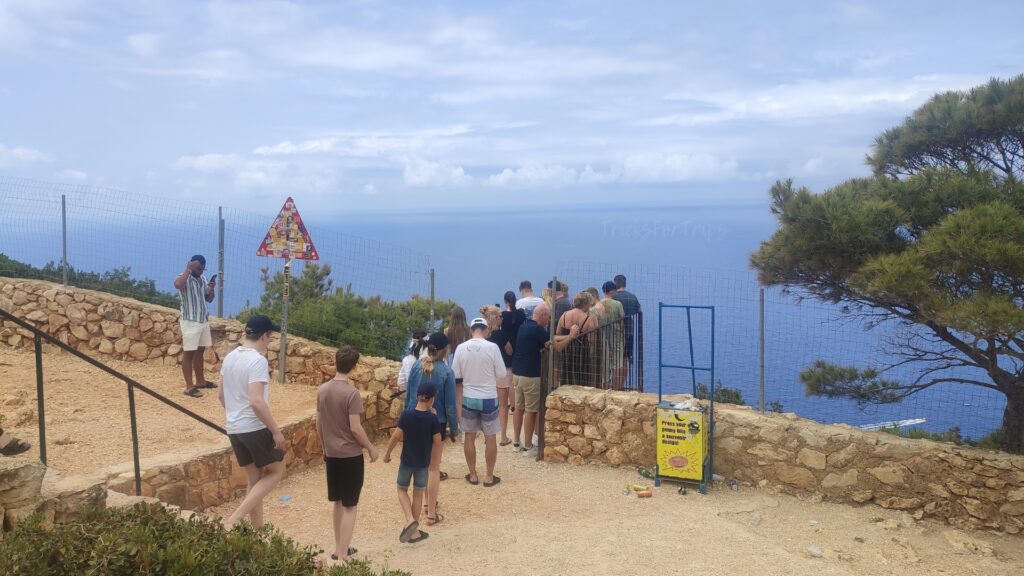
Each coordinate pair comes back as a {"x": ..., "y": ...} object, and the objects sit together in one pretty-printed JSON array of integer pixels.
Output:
[{"x": 478, "y": 322}]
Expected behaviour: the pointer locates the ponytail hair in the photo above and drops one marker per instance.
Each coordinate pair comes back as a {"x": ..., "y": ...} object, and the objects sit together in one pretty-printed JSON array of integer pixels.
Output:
[
  {"x": 419, "y": 342},
  {"x": 433, "y": 354},
  {"x": 510, "y": 299}
]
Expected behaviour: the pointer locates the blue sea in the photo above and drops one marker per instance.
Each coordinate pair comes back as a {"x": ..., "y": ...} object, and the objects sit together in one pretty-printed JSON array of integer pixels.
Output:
[{"x": 672, "y": 255}]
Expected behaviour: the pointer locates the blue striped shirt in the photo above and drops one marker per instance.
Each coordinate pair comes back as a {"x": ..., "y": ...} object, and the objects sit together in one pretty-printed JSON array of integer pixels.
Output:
[{"x": 193, "y": 299}]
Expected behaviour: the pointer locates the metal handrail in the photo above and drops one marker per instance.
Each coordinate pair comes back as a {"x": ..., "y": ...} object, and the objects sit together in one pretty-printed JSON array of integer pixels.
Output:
[{"x": 39, "y": 336}]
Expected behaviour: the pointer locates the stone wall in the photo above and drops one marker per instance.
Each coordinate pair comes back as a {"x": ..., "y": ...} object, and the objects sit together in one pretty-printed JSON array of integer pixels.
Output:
[
  {"x": 108, "y": 326},
  {"x": 965, "y": 487}
]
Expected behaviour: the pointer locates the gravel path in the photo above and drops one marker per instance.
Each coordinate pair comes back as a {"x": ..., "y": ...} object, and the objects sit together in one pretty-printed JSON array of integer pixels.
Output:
[{"x": 554, "y": 519}]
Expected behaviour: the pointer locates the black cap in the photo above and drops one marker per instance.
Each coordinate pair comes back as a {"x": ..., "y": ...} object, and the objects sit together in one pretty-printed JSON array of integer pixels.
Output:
[
  {"x": 259, "y": 325},
  {"x": 437, "y": 341}
]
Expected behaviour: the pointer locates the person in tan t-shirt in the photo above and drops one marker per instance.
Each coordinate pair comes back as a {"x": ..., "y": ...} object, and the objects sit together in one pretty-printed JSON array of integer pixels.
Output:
[{"x": 339, "y": 409}]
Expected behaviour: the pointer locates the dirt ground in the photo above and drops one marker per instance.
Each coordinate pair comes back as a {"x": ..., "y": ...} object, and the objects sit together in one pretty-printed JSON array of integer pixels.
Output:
[
  {"x": 554, "y": 519},
  {"x": 87, "y": 423}
]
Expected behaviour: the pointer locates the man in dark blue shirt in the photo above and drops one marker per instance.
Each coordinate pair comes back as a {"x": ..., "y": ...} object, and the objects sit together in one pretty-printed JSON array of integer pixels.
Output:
[
  {"x": 630, "y": 306},
  {"x": 526, "y": 361}
]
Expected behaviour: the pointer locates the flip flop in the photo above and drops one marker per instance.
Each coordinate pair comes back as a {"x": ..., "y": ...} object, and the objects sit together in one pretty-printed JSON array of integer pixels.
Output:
[
  {"x": 15, "y": 446},
  {"x": 495, "y": 480},
  {"x": 444, "y": 476},
  {"x": 351, "y": 552},
  {"x": 207, "y": 384},
  {"x": 505, "y": 442},
  {"x": 407, "y": 532},
  {"x": 194, "y": 392},
  {"x": 436, "y": 519},
  {"x": 473, "y": 482},
  {"x": 423, "y": 536}
]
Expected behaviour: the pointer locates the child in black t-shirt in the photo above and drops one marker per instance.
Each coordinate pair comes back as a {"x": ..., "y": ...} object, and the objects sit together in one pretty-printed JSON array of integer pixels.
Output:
[{"x": 420, "y": 433}]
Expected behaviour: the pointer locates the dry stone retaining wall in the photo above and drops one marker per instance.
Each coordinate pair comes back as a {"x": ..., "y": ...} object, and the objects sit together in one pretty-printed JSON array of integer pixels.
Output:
[
  {"x": 965, "y": 487},
  {"x": 109, "y": 326}
]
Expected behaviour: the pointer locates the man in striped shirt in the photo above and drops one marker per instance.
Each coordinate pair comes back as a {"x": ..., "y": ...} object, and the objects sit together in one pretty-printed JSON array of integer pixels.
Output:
[{"x": 195, "y": 293}]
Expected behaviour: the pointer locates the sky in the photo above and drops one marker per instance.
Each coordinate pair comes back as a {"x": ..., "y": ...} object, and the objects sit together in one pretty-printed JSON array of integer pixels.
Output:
[{"x": 372, "y": 106}]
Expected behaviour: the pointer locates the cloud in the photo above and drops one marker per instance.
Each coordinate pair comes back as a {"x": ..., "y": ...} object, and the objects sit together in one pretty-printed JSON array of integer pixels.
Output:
[
  {"x": 218, "y": 65},
  {"x": 143, "y": 44},
  {"x": 810, "y": 99},
  {"x": 73, "y": 175},
  {"x": 393, "y": 145},
  {"x": 535, "y": 176},
  {"x": 369, "y": 189},
  {"x": 419, "y": 172},
  {"x": 676, "y": 167},
  {"x": 21, "y": 155}
]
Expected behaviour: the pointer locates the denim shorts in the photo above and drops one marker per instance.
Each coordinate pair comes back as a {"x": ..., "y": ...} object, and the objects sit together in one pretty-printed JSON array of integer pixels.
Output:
[{"x": 417, "y": 475}]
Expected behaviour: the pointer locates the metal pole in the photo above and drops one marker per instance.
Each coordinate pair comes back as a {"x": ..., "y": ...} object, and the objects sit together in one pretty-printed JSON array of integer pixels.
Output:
[
  {"x": 64, "y": 239},
  {"x": 220, "y": 262},
  {"x": 431, "y": 327},
  {"x": 282, "y": 356},
  {"x": 640, "y": 350},
  {"x": 761, "y": 348},
  {"x": 542, "y": 414},
  {"x": 40, "y": 401},
  {"x": 710, "y": 474},
  {"x": 135, "y": 439},
  {"x": 689, "y": 335},
  {"x": 661, "y": 313}
]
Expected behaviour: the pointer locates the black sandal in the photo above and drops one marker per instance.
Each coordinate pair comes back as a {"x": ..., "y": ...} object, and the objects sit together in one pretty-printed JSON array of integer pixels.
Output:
[
  {"x": 207, "y": 384},
  {"x": 351, "y": 552},
  {"x": 15, "y": 446},
  {"x": 194, "y": 392}
]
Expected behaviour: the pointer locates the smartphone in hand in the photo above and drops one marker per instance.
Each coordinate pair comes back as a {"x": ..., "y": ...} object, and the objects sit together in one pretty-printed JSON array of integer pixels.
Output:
[{"x": 213, "y": 278}]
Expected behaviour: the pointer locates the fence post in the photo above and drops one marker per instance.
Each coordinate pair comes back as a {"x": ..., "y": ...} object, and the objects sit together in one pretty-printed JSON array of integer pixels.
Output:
[
  {"x": 40, "y": 401},
  {"x": 431, "y": 328},
  {"x": 64, "y": 239},
  {"x": 640, "y": 350},
  {"x": 761, "y": 347},
  {"x": 542, "y": 410},
  {"x": 220, "y": 262},
  {"x": 135, "y": 439}
]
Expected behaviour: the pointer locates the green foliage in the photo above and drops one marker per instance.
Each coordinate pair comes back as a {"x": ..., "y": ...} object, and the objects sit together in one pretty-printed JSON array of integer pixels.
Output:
[
  {"x": 935, "y": 241},
  {"x": 723, "y": 394},
  {"x": 118, "y": 281},
  {"x": 776, "y": 406},
  {"x": 952, "y": 435},
  {"x": 864, "y": 386},
  {"x": 151, "y": 540},
  {"x": 376, "y": 326},
  {"x": 980, "y": 129}
]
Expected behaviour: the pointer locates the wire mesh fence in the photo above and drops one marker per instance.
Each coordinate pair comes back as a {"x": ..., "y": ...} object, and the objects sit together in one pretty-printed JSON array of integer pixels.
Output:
[
  {"x": 796, "y": 333},
  {"x": 134, "y": 245}
]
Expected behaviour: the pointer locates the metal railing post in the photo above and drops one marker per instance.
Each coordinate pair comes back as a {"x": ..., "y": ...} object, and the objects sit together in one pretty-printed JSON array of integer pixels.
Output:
[
  {"x": 431, "y": 327},
  {"x": 220, "y": 262},
  {"x": 640, "y": 350},
  {"x": 761, "y": 348},
  {"x": 40, "y": 401},
  {"x": 546, "y": 388},
  {"x": 135, "y": 439},
  {"x": 64, "y": 239}
]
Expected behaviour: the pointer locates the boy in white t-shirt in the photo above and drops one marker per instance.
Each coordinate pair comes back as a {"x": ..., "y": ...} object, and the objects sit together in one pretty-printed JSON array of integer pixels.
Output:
[
  {"x": 255, "y": 437},
  {"x": 528, "y": 301}
]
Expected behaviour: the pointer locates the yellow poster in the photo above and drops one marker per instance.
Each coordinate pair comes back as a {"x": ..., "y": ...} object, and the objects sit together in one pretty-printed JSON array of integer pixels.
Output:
[{"x": 682, "y": 443}]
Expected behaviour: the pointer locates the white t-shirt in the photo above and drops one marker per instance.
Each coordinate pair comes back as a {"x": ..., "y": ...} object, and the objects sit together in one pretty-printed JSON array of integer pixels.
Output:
[
  {"x": 528, "y": 304},
  {"x": 242, "y": 367},
  {"x": 478, "y": 362}
]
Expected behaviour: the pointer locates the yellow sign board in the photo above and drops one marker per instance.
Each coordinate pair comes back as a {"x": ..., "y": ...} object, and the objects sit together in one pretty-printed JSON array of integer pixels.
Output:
[{"x": 682, "y": 443}]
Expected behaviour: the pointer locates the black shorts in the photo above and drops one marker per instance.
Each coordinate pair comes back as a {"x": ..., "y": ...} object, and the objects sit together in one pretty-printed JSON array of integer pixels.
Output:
[
  {"x": 344, "y": 479},
  {"x": 255, "y": 448}
]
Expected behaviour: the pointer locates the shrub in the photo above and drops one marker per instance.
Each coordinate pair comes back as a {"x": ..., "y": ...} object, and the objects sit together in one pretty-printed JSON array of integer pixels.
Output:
[
  {"x": 151, "y": 540},
  {"x": 723, "y": 394},
  {"x": 952, "y": 435}
]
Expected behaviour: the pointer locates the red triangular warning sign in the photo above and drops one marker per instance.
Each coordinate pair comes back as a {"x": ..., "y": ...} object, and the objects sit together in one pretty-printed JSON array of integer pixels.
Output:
[{"x": 288, "y": 237}]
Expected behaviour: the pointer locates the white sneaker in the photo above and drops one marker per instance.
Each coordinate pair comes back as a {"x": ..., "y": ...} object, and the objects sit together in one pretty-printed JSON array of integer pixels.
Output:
[{"x": 531, "y": 453}]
